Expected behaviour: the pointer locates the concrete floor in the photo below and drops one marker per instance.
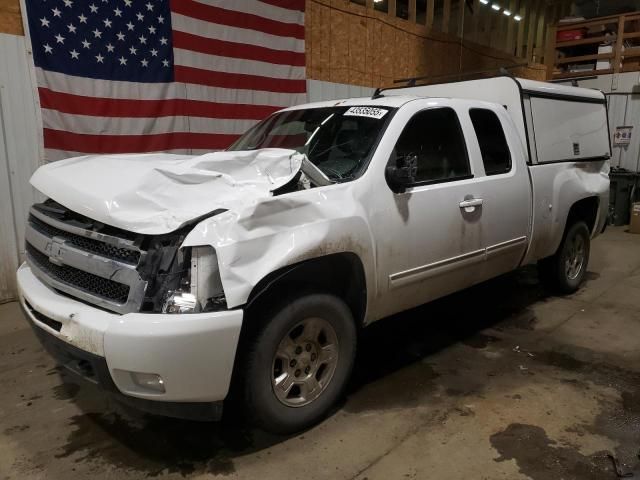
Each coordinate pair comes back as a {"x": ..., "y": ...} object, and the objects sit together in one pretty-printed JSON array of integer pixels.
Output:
[{"x": 498, "y": 382}]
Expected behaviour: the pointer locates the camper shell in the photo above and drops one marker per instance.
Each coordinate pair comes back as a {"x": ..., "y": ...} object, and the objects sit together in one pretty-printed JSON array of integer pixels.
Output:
[{"x": 557, "y": 123}]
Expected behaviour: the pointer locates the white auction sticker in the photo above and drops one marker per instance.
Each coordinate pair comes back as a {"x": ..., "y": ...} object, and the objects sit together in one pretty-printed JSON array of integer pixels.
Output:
[{"x": 370, "y": 112}]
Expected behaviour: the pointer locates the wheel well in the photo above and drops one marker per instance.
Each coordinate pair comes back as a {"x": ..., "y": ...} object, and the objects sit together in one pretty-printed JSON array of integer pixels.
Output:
[
  {"x": 585, "y": 210},
  {"x": 341, "y": 274}
]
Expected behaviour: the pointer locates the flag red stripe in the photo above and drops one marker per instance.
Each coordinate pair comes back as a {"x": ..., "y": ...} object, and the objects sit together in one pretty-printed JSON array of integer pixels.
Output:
[
  {"x": 288, "y": 4},
  {"x": 61, "y": 140},
  {"x": 245, "y": 51},
  {"x": 116, "y": 107},
  {"x": 238, "y": 80},
  {"x": 209, "y": 13}
]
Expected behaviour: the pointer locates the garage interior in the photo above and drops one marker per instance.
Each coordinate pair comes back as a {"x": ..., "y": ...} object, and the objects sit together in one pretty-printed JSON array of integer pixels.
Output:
[{"x": 504, "y": 380}]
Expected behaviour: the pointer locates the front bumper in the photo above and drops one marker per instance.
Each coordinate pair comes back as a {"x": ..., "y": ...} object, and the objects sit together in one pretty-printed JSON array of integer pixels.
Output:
[{"x": 192, "y": 353}]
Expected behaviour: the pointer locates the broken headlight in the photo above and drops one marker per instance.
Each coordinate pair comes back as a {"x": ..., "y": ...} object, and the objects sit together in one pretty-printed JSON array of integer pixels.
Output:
[
  {"x": 180, "y": 302},
  {"x": 201, "y": 289}
]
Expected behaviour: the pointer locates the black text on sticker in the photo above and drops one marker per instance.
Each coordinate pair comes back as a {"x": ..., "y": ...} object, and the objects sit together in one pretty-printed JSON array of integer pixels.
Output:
[{"x": 370, "y": 112}]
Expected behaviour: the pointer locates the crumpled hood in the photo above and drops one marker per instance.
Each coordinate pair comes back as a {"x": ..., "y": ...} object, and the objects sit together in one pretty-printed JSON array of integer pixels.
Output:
[{"x": 158, "y": 193}]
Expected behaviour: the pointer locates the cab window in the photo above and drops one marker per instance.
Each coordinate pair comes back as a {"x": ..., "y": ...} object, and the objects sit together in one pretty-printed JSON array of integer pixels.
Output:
[
  {"x": 493, "y": 144},
  {"x": 435, "y": 137}
]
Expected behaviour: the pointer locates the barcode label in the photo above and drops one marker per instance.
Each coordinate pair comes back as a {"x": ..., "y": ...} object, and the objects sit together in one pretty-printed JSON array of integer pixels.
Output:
[{"x": 370, "y": 112}]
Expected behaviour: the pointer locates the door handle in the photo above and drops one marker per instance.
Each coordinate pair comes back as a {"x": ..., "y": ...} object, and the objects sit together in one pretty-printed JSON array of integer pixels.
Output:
[{"x": 471, "y": 204}]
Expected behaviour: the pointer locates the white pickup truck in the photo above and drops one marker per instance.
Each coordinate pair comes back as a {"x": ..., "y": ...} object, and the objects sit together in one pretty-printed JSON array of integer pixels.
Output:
[{"x": 169, "y": 279}]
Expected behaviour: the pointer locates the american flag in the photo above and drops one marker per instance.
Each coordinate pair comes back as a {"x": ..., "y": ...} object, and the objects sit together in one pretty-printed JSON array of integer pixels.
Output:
[{"x": 185, "y": 76}]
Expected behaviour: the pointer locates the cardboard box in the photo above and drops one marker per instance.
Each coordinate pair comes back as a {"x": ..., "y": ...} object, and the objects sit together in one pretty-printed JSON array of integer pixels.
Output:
[{"x": 634, "y": 225}]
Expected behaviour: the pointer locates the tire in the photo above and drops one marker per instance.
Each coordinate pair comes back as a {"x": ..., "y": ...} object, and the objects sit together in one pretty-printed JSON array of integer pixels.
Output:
[
  {"x": 308, "y": 332},
  {"x": 556, "y": 272}
]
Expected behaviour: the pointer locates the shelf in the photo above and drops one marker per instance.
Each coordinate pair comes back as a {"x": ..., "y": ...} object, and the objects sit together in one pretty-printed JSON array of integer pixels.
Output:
[
  {"x": 582, "y": 41},
  {"x": 584, "y": 58},
  {"x": 631, "y": 52},
  {"x": 613, "y": 19},
  {"x": 622, "y": 30},
  {"x": 586, "y": 73}
]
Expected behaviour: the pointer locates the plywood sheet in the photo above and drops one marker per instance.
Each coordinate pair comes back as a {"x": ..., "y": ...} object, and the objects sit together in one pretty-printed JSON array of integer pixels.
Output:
[{"x": 356, "y": 45}]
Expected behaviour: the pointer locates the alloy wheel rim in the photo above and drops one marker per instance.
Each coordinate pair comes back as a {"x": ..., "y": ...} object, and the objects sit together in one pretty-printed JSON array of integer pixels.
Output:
[
  {"x": 574, "y": 262},
  {"x": 304, "y": 362}
]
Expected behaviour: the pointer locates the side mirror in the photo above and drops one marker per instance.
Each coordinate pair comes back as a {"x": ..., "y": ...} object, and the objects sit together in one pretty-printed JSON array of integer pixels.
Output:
[{"x": 403, "y": 173}]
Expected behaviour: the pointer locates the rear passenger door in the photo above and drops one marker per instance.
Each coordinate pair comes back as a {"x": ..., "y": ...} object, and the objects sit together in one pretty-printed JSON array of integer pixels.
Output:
[{"x": 504, "y": 187}]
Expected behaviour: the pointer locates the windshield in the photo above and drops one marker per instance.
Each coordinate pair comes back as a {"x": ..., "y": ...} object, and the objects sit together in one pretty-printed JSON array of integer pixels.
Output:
[{"x": 338, "y": 140}]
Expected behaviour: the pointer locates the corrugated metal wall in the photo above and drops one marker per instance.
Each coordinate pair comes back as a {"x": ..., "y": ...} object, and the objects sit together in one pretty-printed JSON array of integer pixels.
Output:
[
  {"x": 19, "y": 154},
  {"x": 623, "y": 95},
  {"x": 318, "y": 91},
  {"x": 624, "y": 110}
]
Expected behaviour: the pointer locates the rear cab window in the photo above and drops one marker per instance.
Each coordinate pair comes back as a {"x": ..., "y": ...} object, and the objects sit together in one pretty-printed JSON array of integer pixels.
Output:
[{"x": 496, "y": 155}]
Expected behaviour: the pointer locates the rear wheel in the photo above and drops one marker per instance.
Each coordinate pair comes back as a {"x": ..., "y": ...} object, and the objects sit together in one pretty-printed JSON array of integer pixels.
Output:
[
  {"x": 565, "y": 271},
  {"x": 299, "y": 362}
]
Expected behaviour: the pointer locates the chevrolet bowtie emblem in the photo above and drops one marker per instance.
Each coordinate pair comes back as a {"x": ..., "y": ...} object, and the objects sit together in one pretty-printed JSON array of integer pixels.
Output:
[{"x": 56, "y": 252}]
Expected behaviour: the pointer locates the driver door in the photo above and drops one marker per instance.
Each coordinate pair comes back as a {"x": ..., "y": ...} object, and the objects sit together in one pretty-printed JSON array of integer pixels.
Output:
[{"x": 431, "y": 240}]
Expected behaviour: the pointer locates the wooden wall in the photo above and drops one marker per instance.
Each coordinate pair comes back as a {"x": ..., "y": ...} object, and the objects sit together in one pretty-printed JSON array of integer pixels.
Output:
[
  {"x": 348, "y": 43},
  {"x": 10, "y": 20}
]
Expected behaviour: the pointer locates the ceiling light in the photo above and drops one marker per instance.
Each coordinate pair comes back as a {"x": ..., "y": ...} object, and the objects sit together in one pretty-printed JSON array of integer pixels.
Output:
[
  {"x": 484, "y": 2},
  {"x": 495, "y": 6},
  {"x": 517, "y": 18},
  {"x": 507, "y": 13}
]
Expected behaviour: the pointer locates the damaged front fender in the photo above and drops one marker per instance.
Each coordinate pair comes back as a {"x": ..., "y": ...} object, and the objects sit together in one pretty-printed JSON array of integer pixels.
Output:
[{"x": 279, "y": 231}]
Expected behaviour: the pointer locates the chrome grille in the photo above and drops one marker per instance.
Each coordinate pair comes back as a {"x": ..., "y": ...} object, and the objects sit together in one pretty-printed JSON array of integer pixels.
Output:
[
  {"x": 88, "y": 244},
  {"x": 91, "y": 266},
  {"x": 90, "y": 283}
]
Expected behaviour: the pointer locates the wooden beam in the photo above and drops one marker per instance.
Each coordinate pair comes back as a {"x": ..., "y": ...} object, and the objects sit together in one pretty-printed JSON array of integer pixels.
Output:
[
  {"x": 446, "y": 16},
  {"x": 542, "y": 25},
  {"x": 461, "y": 15},
  {"x": 412, "y": 11},
  {"x": 509, "y": 45},
  {"x": 557, "y": 12},
  {"x": 531, "y": 34},
  {"x": 392, "y": 8},
  {"x": 618, "y": 48},
  {"x": 522, "y": 25},
  {"x": 430, "y": 10},
  {"x": 550, "y": 53},
  {"x": 487, "y": 21},
  {"x": 473, "y": 34}
]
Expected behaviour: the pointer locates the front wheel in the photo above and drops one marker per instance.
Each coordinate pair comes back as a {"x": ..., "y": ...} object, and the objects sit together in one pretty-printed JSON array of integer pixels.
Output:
[
  {"x": 299, "y": 362},
  {"x": 565, "y": 271}
]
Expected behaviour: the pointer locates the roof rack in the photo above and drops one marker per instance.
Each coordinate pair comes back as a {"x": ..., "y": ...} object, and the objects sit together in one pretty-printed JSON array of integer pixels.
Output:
[{"x": 454, "y": 77}]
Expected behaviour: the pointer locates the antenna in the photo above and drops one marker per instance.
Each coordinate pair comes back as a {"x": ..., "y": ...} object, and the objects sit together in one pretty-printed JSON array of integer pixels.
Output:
[{"x": 377, "y": 94}]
